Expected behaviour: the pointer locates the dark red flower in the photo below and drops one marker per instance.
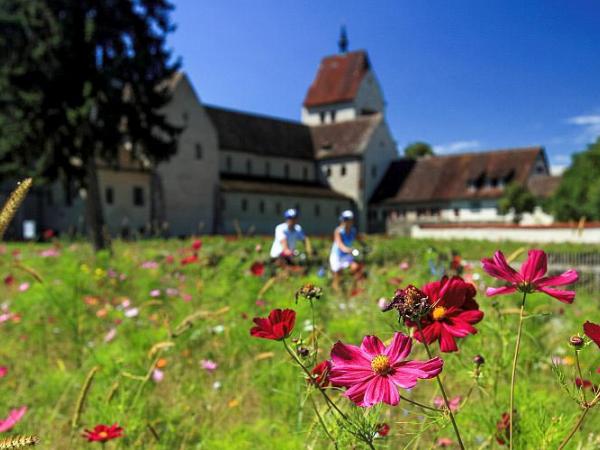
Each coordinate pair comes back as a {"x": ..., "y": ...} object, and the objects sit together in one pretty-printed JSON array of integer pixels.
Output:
[
  {"x": 452, "y": 314},
  {"x": 592, "y": 330},
  {"x": 169, "y": 259},
  {"x": 257, "y": 269},
  {"x": 320, "y": 373},
  {"x": 197, "y": 244},
  {"x": 383, "y": 429},
  {"x": 503, "y": 429},
  {"x": 189, "y": 260},
  {"x": 103, "y": 433},
  {"x": 277, "y": 326},
  {"x": 585, "y": 384},
  {"x": 9, "y": 280},
  {"x": 48, "y": 234}
]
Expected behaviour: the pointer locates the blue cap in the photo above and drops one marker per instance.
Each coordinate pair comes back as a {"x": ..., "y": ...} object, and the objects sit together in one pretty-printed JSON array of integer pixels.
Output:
[
  {"x": 290, "y": 213},
  {"x": 347, "y": 215}
]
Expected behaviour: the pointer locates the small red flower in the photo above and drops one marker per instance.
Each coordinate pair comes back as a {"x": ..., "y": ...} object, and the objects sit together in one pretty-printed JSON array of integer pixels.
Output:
[
  {"x": 197, "y": 244},
  {"x": 103, "y": 433},
  {"x": 320, "y": 374},
  {"x": 257, "y": 269},
  {"x": 444, "y": 442},
  {"x": 169, "y": 259},
  {"x": 585, "y": 384},
  {"x": 277, "y": 326},
  {"x": 9, "y": 280},
  {"x": 48, "y": 234},
  {"x": 383, "y": 429},
  {"x": 503, "y": 429},
  {"x": 592, "y": 330},
  {"x": 189, "y": 260},
  {"x": 452, "y": 315},
  {"x": 531, "y": 278}
]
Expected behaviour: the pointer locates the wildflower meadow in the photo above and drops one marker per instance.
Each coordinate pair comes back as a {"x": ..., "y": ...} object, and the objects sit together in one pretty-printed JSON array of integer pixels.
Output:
[{"x": 201, "y": 344}]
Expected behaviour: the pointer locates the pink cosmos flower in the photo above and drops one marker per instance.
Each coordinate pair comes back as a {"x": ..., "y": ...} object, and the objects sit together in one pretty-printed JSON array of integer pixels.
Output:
[
  {"x": 155, "y": 293},
  {"x": 112, "y": 333},
  {"x": 208, "y": 365},
  {"x": 454, "y": 403},
  {"x": 444, "y": 442},
  {"x": 157, "y": 375},
  {"x": 372, "y": 372},
  {"x": 50, "y": 253},
  {"x": 149, "y": 265},
  {"x": 532, "y": 276},
  {"x": 23, "y": 287},
  {"x": 186, "y": 297},
  {"x": 132, "y": 312},
  {"x": 13, "y": 417},
  {"x": 3, "y": 371}
]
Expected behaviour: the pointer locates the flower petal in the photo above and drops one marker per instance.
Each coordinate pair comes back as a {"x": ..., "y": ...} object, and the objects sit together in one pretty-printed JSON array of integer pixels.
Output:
[
  {"x": 348, "y": 354},
  {"x": 372, "y": 345},
  {"x": 499, "y": 268},
  {"x": 560, "y": 295},
  {"x": 399, "y": 348},
  {"x": 447, "y": 342},
  {"x": 381, "y": 389},
  {"x": 490, "y": 292},
  {"x": 592, "y": 331},
  {"x": 535, "y": 266},
  {"x": 568, "y": 277}
]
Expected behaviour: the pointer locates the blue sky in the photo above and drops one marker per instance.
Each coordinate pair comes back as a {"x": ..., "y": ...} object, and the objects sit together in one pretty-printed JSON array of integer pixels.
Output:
[{"x": 461, "y": 75}]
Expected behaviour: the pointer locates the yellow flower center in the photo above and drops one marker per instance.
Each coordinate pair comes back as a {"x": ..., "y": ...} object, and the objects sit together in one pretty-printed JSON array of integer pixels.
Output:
[
  {"x": 381, "y": 365},
  {"x": 438, "y": 313},
  {"x": 103, "y": 435}
]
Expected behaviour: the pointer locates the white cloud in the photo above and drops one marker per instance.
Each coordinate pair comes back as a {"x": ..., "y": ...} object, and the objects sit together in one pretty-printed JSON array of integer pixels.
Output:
[
  {"x": 456, "y": 147},
  {"x": 557, "y": 169},
  {"x": 589, "y": 127}
]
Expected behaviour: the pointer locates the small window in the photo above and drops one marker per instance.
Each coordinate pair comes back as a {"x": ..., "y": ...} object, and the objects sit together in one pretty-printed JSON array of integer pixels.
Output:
[
  {"x": 286, "y": 171},
  {"x": 373, "y": 171},
  {"x": 322, "y": 116},
  {"x": 328, "y": 172},
  {"x": 317, "y": 210},
  {"x": 332, "y": 113},
  {"x": 267, "y": 168},
  {"x": 244, "y": 204},
  {"x": 305, "y": 173},
  {"x": 138, "y": 196},
  {"x": 249, "y": 166},
  {"x": 228, "y": 163},
  {"x": 343, "y": 170},
  {"x": 261, "y": 207},
  {"x": 109, "y": 195},
  {"x": 198, "y": 149}
]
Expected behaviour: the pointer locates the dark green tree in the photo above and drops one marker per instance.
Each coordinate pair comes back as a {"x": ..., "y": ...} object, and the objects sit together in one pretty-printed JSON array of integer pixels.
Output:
[
  {"x": 81, "y": 82},
  {"x": 418, "y": 150},
  {"x": 518, "y": 200},
  {"x": 578, "y": 194}
]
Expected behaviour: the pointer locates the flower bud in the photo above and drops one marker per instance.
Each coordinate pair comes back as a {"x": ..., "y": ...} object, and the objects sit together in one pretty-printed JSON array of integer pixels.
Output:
[
  {"x": 478, "y": 360},
  {"x": 303, "y": 352},
  {"x": 576, "y": 342}
]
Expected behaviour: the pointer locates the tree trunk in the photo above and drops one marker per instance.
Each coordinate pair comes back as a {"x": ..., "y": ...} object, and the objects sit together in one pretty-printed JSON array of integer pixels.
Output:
[{"x": 93, "y": 208}]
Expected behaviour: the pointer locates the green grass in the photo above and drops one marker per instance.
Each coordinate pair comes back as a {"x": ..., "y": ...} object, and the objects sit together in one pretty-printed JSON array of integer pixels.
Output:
[{"x": 58, "y": 336}]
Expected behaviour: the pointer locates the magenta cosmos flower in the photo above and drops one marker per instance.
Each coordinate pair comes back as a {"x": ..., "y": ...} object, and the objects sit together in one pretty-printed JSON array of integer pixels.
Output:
[
  {"x": 532, "y": 276},
  {"x": 373, "y": 372}
]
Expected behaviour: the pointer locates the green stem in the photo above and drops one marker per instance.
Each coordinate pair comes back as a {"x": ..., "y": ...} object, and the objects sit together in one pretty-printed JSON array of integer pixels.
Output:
[
  {"x": 586, "y": 408},
  {"x": 420, "y": 405},
  {"x": 582, "y": 388},
  {"x": 514, "y": 373},
  {"x": 314, "y": 332},
  {"x": 322, "y": 422},
  {"x": 443, "y": 391}
]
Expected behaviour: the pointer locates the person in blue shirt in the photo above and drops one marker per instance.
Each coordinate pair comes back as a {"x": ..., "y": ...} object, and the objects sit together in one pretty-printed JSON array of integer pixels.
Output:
[
  {"x": 341, "y": 256},
  {"x": 286, "y": 236}
]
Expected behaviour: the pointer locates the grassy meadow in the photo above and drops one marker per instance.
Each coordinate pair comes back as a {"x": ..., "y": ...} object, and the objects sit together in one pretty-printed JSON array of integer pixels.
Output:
[{"x": 83, "y": 335}]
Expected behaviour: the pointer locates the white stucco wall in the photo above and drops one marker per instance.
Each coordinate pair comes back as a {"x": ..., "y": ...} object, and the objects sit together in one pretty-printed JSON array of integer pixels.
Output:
[
  {"x": 190, "y": 183},
  {"x": 520, "y": 234},
  {"x": 239, "y": 165},
  {"x": 321, "y": 223},
  {"x": 348, "y": 184}
]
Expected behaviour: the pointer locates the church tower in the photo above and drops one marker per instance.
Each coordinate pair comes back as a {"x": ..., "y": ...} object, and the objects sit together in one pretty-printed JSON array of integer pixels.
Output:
[{"x": 344, "y": 88}]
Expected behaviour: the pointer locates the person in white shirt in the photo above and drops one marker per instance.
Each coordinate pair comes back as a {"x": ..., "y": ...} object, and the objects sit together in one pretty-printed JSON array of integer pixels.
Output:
[{"x": 286, "y": 236}]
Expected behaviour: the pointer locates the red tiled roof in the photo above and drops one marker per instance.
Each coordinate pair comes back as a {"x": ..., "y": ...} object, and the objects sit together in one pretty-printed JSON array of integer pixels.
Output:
[
  {"x": 440, "y": 178},
  {"x": 338, "y": 78},
  {"x": 348, "y": 138}
]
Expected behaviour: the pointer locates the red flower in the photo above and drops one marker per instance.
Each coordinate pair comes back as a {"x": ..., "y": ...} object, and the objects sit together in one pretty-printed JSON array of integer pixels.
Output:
[
  {"x": 103, "y": 433},
  {"x": 503, "y": 429},
  {"x": 257, "y": 269},
  {"x": 320, "y": 374},
  {"x": 169, "y": 259},
  {"x": 9, "y": 280},
  {"x": 532, "y": 276},
  {"x": 383, "y": 429},
  {"x": 48, "y": 234},
  {"x": 452, "y": 315},
  {"x": 277, "y": 326},
  {"x": 189, "y": 260},
  {"x": 592, "y": 331},
  {"x": 585, "y": 384},
  {"x": 197, "y": 244}
]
